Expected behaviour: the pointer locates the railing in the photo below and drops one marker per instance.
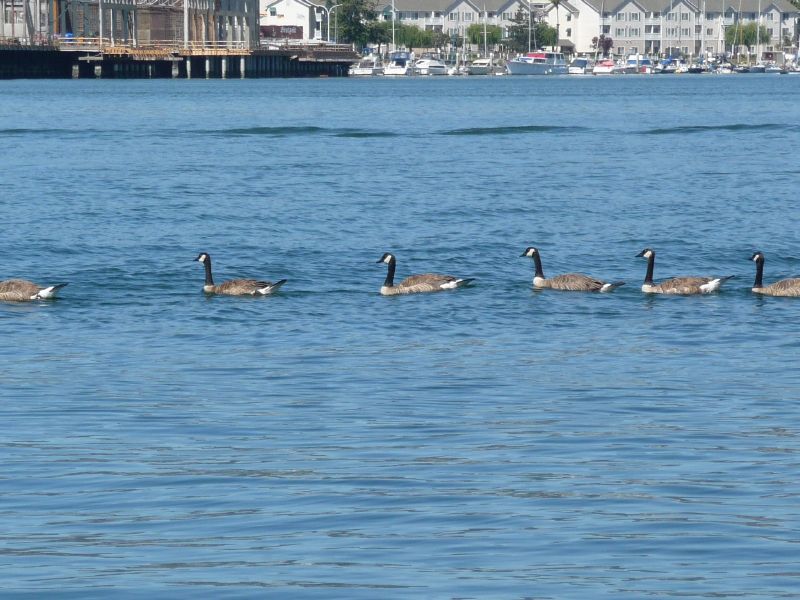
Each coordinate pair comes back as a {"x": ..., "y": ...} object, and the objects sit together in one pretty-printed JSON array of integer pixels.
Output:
[
  {"x": 109, "y": 46},
  {"x": 298, "y": 46}
]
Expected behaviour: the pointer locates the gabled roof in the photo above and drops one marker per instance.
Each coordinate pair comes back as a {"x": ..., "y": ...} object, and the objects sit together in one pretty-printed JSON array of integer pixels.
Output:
[
  {"x": 447, "y": 6},
  {"x": 664, "y": 6}
]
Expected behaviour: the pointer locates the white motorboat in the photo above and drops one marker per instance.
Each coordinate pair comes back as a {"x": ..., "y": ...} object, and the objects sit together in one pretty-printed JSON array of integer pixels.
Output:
[
  {"x": 538, "y": 63},
  {"x": 430, "y": 66},
  {"x": 605, "y": 67},
  {"x": 367, "y": 66},
  {"x": 480, "y": 66},
  {"x": 400, "y": 63},
  {"x": 580, "y": 66},
  {"x": 636, "y": 63}
]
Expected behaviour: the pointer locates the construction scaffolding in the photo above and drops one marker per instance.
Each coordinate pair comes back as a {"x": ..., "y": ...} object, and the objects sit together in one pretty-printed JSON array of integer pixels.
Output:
[{"x": 192, "y": 25}]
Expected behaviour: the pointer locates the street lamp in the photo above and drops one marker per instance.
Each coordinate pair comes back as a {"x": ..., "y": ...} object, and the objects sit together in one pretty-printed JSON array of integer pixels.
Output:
[{"x": 328, "y": 12}]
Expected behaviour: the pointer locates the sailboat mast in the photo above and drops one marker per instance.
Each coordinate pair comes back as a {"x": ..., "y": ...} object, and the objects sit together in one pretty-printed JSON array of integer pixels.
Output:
[
  {"x": 758, "y": 35},
  {"x": 485, "y": 38}
]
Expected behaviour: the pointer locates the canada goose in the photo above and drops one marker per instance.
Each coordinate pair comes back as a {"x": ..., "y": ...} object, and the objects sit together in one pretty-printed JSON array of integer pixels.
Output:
[
  {"x": 784, "y": 287},
  {"x": 429, "y": 282},
  {"x": 678, "y": 285},
  {"x": 570, "y": 282},
  {"x": 236, "y": 287},
  {"x": 21, "y": 290}
]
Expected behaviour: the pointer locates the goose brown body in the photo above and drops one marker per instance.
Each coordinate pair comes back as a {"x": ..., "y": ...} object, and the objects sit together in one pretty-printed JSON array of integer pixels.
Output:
[
  {"x": 784, "y": 287},
  {"x": 22, "y": 290},
  {"x": 684, "y": 286},
  {"x": 417, "y": 284},
  {"x": 236, "y": 287},
  {"x": 568, "y": 282}
]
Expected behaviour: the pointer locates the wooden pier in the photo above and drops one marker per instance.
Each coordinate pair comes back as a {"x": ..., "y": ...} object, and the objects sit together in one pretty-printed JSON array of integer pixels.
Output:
[{"x": 102, "y": 58}]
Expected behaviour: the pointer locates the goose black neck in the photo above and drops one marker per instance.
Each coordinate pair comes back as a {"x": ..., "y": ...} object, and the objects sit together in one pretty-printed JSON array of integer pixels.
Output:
[
  {"x": 207, "y": 265},
  {"x": 759, "y": 273},
  {"x": 389, "y": 281},
  {"x": 537, "y": 260},
  {"x": 651, "y": 262}
]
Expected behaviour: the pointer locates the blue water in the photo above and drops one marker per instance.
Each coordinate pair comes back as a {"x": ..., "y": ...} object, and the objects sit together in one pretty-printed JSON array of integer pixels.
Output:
[{"x": 493, "y": 442}]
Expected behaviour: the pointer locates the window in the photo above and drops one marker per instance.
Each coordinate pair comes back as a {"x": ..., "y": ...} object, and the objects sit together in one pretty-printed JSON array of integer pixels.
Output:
[
  {"x": 769, "y": 16},
  {"x": 620, "y": 16},
  {"x": 657, "y": 15},
  {"x": 569, "y": 32},
  {"x": 620, "y": 50},
  {"x": 634, "y": 32},
  {"x": 606, "y": 28},
  {"x": 619, "y": 32},
  {"x": 684, "y": 16},
  {"x": 685, "y": 49},
  {"x": 685, "y": 32},
  {"x": 507, "y": 16},
  {"x": 569, "y": 17},
  {"x": 709, "y": 32},
  {"x": 273, "y": 12},
  {"x": 468, "y": 17},
  {"x": 633, "y": 50},
  {"x": 634, "y": 16}
]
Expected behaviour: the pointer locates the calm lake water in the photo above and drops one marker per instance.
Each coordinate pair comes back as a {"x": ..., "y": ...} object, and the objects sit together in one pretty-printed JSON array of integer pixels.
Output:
[{"x": 493, "y": 442}]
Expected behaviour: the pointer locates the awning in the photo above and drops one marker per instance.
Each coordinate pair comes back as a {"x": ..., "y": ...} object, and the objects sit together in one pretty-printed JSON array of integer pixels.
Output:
[{"x": 565, "y": 44}]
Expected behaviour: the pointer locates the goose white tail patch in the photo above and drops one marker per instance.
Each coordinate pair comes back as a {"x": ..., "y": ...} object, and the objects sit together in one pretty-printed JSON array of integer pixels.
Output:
[
  {"x": 48, "y": 292},
  {"x": 451, "y": 285},
  {"x": 711, "y": 286},
  {"x": 538, "y": 281}
]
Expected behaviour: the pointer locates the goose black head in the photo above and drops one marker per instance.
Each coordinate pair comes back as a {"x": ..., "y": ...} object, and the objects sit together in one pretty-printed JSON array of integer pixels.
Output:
[
  {"x": 646, "y": 253},
  {"x": 530, "y": 252},
  {"x": 202, "y": 257},
  {"x": 757, "y": 257},
  {"x": 386, "y": 258}
]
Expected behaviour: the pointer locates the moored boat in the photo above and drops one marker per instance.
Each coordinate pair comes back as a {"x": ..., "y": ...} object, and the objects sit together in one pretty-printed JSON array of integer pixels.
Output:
[
  {"x": 430, "y": 66},
  {"x": 538, "y": 63},
  {"x": 606, "y": 66},
  {"x": 367, "y": 66},
  {"x": 637, "y": 63},
  {"x": 580, "y": 66},
  {"x": 400, "y": 63}
]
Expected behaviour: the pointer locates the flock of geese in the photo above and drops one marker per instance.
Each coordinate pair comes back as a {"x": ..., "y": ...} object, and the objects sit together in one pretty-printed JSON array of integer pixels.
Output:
[{"x": 21, "y": 290}]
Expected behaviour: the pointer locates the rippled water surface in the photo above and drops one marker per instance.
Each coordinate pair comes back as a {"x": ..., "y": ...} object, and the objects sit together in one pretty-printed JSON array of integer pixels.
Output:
[{"x": 493, "y": 442}]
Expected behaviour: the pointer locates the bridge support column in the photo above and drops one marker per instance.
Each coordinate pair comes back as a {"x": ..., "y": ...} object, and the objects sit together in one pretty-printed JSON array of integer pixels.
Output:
[
  {"x": 188, "y": 67},
  {"x": 224, "y": 67},
  {"x": 208, "y": 67},
  {"x": 241, "y": 67}
]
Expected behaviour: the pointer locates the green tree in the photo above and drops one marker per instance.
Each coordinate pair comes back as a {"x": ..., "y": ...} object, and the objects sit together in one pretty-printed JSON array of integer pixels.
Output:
[
  {"x": 746, "y": 35},
  {"x": 353, "y": 20},
  {"x": 546, "y": 35},
  {"x": 379, "y": 32},
  {"x": 494, "y": 34},
  {"x": 520, "y": 35},
  {"x": 556, "y": 3},
  {"x": 412, "y": 37}
]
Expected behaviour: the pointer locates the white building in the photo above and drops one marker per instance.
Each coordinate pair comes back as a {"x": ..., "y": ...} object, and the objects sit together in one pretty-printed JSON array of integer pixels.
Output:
[{"x": 655, "y": 27}]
